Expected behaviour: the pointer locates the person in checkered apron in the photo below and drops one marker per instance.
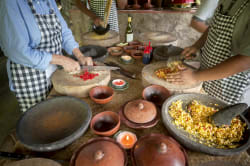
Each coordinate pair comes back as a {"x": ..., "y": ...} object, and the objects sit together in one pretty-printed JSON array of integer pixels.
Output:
[
  {"x": 95, "y": 10},
  {"x": 33, "y": 34},
  {"x": 225, "y": 58}
]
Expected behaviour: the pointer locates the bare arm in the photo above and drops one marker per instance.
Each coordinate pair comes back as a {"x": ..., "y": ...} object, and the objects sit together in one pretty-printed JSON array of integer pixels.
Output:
[
  {"x": 82, "y": 6},
  {"x": 231, "y": 66},
  {"x": 198, "y": 25},
  {"x": 197, "y": 45}
]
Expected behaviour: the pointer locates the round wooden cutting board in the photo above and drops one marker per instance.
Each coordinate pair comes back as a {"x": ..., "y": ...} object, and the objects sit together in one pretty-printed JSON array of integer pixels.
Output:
[
  {"x": 149, "y": 77},
  {"x": 106, "y": 40},
  {"x": 158, "y": 38},
  {"x": 34, "y": 162},
  {"x": 68, "y": 84}
]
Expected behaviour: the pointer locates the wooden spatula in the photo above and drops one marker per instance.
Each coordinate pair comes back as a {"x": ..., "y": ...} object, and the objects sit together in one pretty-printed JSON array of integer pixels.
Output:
[{"x": 107, "y": 13}]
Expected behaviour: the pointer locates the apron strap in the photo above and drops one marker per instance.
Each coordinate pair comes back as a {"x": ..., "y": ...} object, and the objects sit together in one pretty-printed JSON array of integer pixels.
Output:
[
  {"x": 33, "y": 10},
  {"x": 241, "y": 8}
]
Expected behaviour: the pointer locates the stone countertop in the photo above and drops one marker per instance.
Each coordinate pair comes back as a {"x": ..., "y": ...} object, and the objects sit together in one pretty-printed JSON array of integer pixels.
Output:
[{"x": 120, "y": 97}]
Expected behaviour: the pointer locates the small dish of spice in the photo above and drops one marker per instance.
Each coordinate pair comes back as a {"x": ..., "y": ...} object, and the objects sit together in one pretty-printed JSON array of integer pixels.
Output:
[
  {"x": 118, "y": 83},
  {"x": 126, "y": 59},
  {"x": 115, "y": 51}
]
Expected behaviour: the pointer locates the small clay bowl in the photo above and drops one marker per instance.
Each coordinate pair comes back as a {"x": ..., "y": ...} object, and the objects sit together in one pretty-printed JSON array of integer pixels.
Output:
[
  {"x": 134, "y": 43},
  {"x": 101, "y": 94},
  {"x": 128, "y": 49},
  {"x": 105, "y": 123},
  {"x": 126, "y": 58},
  {"x": 137, "y": 54},
  {"x": 141, "y": 48},
  {"x": 118, "y": 83},
  {"x": 115, "y": 51},
  {"x": 156, "y": 94}
]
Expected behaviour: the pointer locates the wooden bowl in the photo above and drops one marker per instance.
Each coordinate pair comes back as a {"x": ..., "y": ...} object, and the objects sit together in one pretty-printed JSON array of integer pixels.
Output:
[
  {"x": 101, "y": 94},
  {"x": 156, "y": 94},
  {"x": 128, "y": 49},
  {"x": 137, "y": 54},
  {"x": 115, "y": 51},
  {"x": 105, "y": 123}
]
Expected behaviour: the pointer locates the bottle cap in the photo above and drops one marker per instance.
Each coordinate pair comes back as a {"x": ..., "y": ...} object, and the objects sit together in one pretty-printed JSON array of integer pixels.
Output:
[{"x": 129, "y": 19}]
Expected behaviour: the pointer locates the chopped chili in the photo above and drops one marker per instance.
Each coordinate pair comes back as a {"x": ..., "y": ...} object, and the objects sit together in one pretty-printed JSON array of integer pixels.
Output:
[{"x": 86, "y": 75}]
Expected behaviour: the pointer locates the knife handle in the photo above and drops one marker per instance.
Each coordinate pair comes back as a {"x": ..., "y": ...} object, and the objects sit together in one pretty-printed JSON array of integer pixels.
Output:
[
  {"x": 128, "y": 73},
  {"x": 13, "y": 155}
]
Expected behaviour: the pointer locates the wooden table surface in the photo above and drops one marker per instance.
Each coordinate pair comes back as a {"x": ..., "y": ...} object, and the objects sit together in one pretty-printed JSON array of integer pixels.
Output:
[{"x": 120, "y": 97}]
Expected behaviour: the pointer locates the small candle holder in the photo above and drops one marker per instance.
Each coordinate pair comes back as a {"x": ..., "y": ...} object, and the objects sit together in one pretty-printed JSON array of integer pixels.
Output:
[{"x": 126, "y": 139}]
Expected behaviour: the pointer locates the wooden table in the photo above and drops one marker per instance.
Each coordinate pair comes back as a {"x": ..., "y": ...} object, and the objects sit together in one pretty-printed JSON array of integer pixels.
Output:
[{"x": 120, "y": 97}]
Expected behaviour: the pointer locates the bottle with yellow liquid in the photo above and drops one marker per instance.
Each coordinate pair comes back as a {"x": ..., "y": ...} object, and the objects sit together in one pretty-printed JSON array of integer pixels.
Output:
[{"x": 129, "y": 31}]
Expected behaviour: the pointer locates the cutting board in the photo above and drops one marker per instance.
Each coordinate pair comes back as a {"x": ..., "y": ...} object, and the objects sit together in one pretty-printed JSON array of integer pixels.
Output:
[
  {"x": 158, "y": 38},
  {"x": 109, "y": 39},
  {"x": 34, "y": 162},
  {"x": 68, "y": 84},
  {"x": 149, "y": 77}
]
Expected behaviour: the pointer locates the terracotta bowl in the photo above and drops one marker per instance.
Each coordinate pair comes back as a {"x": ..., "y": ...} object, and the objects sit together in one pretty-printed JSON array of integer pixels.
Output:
[
  {"x": 141, "y": 48},
  {"x": 156, "y": 94},
  {"x": 128, "y": 49},
  {"x": 101, "y": 94},
  {"x": 105, "y": 123},
  {"x": 115, "y": 51},
  {"x": 134, "y": 43},
  {"x": 137, "y": 54}
]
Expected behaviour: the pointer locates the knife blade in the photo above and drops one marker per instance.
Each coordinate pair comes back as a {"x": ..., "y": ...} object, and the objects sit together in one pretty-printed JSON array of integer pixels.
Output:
[
  {"x": 122, "y": 70},
  {"x": 96, "y": 68}
]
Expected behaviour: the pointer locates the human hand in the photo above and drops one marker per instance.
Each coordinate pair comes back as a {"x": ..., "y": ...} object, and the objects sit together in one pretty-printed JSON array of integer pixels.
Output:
[
  {"x": 85, "y": 60},
  {"x": 188, "y": 51},
  {"x": 69, "y": 65},
  {"x": 185, "y": 76},
  {"x": 98, "y": 22}
]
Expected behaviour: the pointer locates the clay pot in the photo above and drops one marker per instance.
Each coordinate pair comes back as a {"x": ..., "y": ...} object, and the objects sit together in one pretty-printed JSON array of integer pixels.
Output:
[
  {"x": 122, "y": 4},
  {"x": 128, "y": 49},
  {"x": 105, "y": 123},
  {"x": 101, "y": 94},
  {"x": 156, "y": 94},
  {"x": 140, "y": 111},
  {"x": 158, "y": 149},
  {"x": 102, "y": 151},
  {"x": 137, "y": 54},
  {"x": 134, "y": 43},
  {"x": 115, "y": 51}
]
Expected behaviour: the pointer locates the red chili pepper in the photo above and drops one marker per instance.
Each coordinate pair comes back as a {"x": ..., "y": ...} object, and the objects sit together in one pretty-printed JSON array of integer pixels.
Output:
[{"x": 88, "y": 76}]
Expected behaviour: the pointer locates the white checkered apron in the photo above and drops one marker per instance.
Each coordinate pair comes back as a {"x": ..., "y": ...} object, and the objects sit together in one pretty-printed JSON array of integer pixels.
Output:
[
  {"x": 218, "y": 49},
  {"x": 30, "y": 85},
  {"x": 98, "y": 7}
]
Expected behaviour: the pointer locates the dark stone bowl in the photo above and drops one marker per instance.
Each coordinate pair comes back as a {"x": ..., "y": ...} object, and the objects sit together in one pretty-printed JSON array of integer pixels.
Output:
[
  {"x": 97, "y": 53},
  {"x": 184, "y": 138},
  {"x": 100, "y": 30},
  {"x": 53, "y": 123}
]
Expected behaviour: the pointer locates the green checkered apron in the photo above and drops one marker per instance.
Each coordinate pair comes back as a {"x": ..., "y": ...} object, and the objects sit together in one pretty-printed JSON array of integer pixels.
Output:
[
  {"x": 218, "y": 49},
  {"x": 98, "y": 7}
]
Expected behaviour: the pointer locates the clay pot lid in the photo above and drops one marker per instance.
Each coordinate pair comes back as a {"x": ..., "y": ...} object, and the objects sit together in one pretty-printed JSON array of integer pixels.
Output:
[
  {"x": 163, "y": 149},
  {"x": 140, "y": 111},
  {"x": 100, "y": 152}
]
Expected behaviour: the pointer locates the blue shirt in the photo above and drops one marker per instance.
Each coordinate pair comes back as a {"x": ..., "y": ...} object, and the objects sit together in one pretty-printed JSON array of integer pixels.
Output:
[{"x": 20, "y": 34}]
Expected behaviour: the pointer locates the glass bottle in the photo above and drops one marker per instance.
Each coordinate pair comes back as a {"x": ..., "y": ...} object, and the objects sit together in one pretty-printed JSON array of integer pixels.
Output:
[{"x": 129, "y": 31}]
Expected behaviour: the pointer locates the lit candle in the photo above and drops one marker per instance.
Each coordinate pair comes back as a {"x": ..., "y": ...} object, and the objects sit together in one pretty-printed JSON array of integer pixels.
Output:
[{"x": 126, "y": 139}]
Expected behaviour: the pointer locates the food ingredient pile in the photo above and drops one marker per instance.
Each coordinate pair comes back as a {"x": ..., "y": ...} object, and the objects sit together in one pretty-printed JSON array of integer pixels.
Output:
[
  {"x": 171, "y": 67},
  {"x": 197, "y": 122},
  {"x": 86, "y": 75}
]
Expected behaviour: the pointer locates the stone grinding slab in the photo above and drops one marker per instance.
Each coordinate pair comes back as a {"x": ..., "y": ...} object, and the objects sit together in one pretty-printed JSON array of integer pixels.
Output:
[
  {"x": 158, "y": 38},
  {"x": 109, "y": 39},
  {"x": 149, "y": 77},
  {"x": 68, "y": 84}
]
